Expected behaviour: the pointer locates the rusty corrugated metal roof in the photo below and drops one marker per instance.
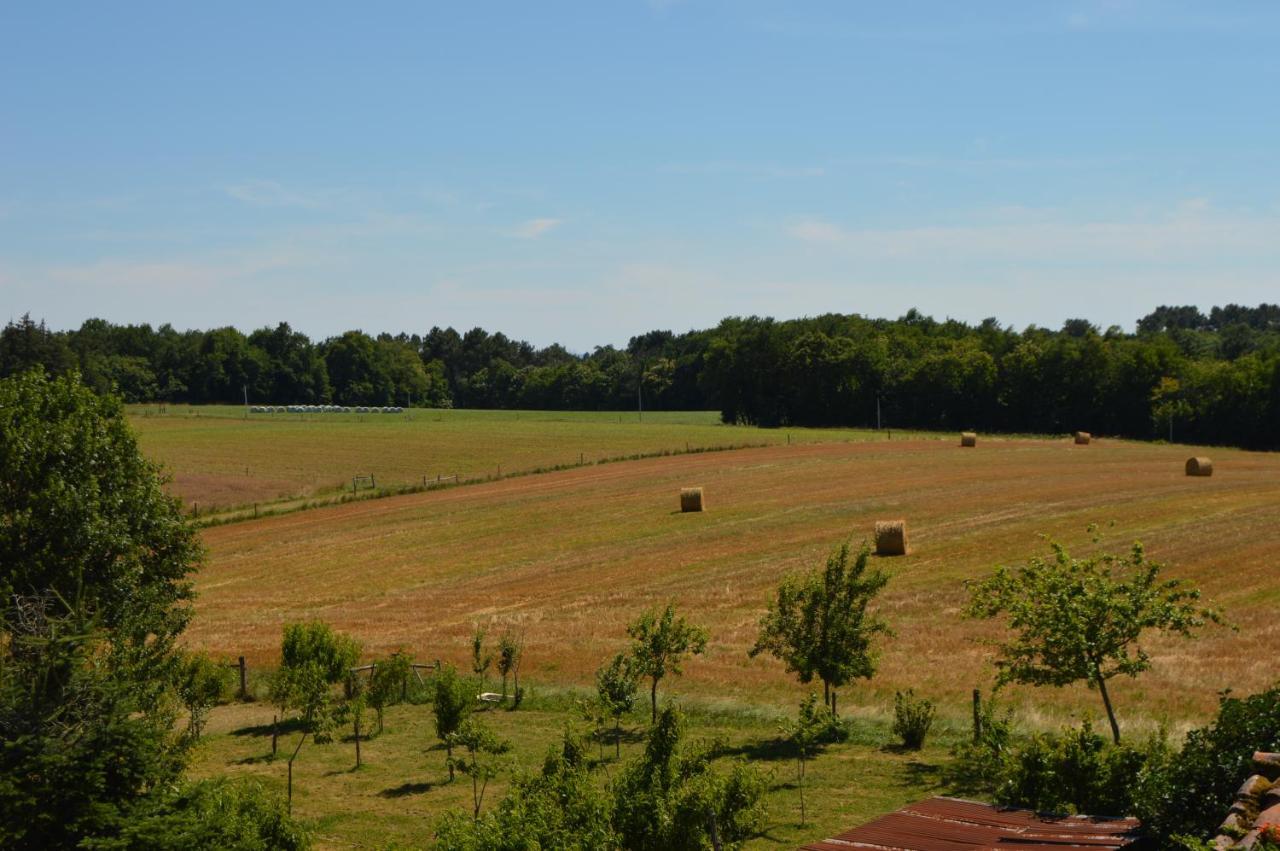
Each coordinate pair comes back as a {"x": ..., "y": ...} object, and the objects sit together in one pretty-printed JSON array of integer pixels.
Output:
[{"x": 952, "y": 824}]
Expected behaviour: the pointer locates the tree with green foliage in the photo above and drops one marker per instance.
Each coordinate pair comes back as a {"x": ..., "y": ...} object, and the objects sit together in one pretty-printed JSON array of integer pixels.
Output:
[
  {"x": 510, "y": 649},
  {"x": 562, "y": 807},
  {"x": 81, "y": 744},
  {"x": 94, "y": 588},
  {"x": 616, "y": 692},
  {"x": 84, "y": 516},
  {"x": 659, "y": 644},
  {"x": 313, "y": 659},
  {"x": 481, "y": 659},
  {"x": 670, "y": 798},
  {"x": 214, "y": 814},
  {"x": 201, "y": 683},
  {"x": 388, "y": 682},
  {"x": 480, "y": 747},
  {"x": 1197, "y": 787},
  {"x": 819, "y": 624},
  {"x": 453, "y": 700},
  {"x": 1083, "y": 619},
  {"x": 806, "y": 734}
]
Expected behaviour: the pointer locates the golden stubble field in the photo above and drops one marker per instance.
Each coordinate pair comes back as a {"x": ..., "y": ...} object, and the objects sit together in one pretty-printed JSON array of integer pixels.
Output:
[{"x": 571, "y": 557}]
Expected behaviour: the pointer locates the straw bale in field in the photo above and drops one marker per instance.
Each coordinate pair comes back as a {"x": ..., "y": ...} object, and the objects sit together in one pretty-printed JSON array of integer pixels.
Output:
[
  {"x": 968, "y": 438},
  {"x": 891, "y": 537},
  {"x": 1199, "y": 466},
  {"x": 691, "y": 499},
  {"x": 1083, "y": 438}
]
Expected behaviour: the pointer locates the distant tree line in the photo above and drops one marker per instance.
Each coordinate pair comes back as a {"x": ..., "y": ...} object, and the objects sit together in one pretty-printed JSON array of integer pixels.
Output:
[{"x": 1211, "y": 378}]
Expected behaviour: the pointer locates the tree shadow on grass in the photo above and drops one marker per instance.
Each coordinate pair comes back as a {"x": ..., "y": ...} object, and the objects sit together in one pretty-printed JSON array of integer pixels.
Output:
[
  {"x": 767, "y": 750},
  {"x": 404, "y": 790},
  {"x": 286, "y": 726},
  {"x": 255, "y": 760},
  {"x": 922, "y": 775}
]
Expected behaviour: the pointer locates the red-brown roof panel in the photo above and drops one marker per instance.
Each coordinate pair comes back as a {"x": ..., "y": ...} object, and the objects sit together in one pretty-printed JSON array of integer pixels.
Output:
[{"x": 952, "y": 824}]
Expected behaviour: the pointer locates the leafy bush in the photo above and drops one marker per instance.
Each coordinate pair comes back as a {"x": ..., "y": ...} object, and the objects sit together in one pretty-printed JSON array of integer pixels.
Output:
[
  {"x": 1078, "y": 771},
  {"x": 561, "y": 807},
  {"x": 389, "y": 683},
  {"x": 213, "y": 814},
  {"x": 979, "y": 764},
  {"x": 453, "y": 702},
  {"x": 201, "y": 683},
  {"x": 313, "y": 658},
  {"x": 667, "y": 798},
  {"x": 912, "y": 718},
  {"x": 316, "y": 643},
  {"x": 1192, "y": 795}
]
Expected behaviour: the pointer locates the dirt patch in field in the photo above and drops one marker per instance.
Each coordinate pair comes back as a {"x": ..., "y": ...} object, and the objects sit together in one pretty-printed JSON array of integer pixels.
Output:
[{"x": 210, "y": 490}]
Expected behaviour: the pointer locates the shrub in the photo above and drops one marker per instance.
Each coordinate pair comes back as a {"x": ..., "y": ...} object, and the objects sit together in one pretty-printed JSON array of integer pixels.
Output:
[
  {"x": 979, "y": 763},
  {"x": 453, "y": 702},
  {"x": 1078, "y": 771},
  {"x": 202, "y": 683},
  {"x": 389, "y": 683},
  {"x": 1192, "y": 795},
  {"x": 214, "y": 814},
  {"x": 912, "y": 718}
]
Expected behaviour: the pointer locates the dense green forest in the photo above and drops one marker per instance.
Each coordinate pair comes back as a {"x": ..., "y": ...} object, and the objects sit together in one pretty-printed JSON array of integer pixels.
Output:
[{"x": 1211, "y": 378}]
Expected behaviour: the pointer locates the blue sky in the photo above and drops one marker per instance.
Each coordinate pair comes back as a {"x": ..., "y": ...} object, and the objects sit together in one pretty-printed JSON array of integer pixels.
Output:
[{"x": 582, "y": 172}]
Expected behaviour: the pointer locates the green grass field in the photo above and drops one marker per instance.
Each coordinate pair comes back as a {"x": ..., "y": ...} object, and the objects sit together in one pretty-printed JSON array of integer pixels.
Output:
[
  {"x": 220, "y": 456},
  {"x": 401, "y": 790}
]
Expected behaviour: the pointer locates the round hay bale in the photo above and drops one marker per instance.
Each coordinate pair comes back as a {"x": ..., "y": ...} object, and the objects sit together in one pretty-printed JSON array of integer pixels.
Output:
[
  {"x": 968, "y": 438},
  {"x": 1199, "y": 466},
  {"x": 1083, "y": 438},
  {"x": 891, "y": 537},
  {"x": 691, "y": 499}
]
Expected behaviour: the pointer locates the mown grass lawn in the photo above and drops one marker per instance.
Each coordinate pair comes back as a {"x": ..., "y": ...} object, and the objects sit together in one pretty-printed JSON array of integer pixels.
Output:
[{"x": 402, "y": 789}]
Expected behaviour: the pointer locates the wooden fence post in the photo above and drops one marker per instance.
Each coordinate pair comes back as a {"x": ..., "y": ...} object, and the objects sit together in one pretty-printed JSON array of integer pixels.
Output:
[
  {"x": 244, "y": 682},
  {"x": 977, "y": 715}
]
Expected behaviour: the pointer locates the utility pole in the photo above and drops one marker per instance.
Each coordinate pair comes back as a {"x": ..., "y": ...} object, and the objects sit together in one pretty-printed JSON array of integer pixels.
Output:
[
  {"x": 877, "y": 412},
  {"x": 639, "y": 394},
  {"x": 245, "y": 388}
]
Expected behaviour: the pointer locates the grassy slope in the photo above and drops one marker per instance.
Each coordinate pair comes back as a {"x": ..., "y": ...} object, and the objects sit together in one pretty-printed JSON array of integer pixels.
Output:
[
  {"x": 402, "y": 787},
  {"x": 222, "y": 457}
]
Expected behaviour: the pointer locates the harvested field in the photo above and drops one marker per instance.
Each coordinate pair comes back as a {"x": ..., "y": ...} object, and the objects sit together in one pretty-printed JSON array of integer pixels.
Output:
[
  {"x": 572, "y": 556},
  {"x": 222, "y": 457}
]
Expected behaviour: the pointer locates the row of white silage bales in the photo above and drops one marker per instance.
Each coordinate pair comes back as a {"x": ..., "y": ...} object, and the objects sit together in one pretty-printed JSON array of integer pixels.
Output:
[{"x": 323, "y": 409}]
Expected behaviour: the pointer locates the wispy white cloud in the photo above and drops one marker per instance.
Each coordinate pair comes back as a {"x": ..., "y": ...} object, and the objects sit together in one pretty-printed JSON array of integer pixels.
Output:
[
  {"x": 744, "y": 169},
  {"x": 1190, "y": 231},
  {"x": 269, "y": 193},
  {"x": 534, "y": 228}
]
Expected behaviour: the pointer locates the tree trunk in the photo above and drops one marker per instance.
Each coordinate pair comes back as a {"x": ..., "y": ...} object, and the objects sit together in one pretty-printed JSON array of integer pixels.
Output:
[
  {"x": 800, "y": 781},
  {"x": 617, "y": 737},
  {"x": 448, "y": 751},
  {"x": 1111, "y": 713},
  {"x": 833, "y": 704},
  {"x": 826, "y": 693},
  {"x": 653, "y": 702}
]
